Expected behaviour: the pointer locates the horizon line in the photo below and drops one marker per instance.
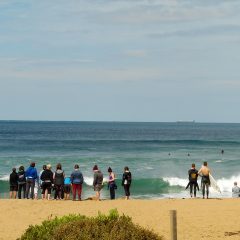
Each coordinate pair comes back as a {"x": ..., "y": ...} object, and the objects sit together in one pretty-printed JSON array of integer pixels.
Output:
[{"x": 120, "y": 121}]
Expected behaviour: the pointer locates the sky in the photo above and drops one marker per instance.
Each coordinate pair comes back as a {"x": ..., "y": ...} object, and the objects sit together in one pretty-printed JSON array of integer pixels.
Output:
[{"x": 120, "y": 60}]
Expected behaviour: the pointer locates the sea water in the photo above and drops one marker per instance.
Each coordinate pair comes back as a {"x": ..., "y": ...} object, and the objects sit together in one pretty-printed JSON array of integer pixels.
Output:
[{"x": 158, "y": 154}]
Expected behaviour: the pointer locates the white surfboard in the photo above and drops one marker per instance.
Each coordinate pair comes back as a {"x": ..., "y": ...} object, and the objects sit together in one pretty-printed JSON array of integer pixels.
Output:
[{"x": 214, "y": 184}]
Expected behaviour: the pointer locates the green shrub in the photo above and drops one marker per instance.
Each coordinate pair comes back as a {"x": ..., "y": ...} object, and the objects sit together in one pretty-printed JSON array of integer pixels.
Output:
[{"x": 77, "y": 227}]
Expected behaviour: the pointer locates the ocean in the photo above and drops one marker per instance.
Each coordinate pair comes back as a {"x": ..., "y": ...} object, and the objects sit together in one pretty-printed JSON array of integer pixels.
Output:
[{"x": 158, "y": 154}]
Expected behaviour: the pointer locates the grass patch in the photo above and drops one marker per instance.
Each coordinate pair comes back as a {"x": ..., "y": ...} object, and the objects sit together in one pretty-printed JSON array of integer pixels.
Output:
[{"x": 78, "y": 227}]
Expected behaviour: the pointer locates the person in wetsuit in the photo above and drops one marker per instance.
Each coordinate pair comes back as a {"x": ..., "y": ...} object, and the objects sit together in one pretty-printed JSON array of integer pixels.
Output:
[
  {"x": 126, "y": 182},
  {"x": 192, "y": 176},
  {"x": 204, "y": 172}
]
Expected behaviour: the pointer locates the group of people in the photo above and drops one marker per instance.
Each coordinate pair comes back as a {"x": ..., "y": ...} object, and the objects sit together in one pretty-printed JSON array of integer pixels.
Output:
[
  {"x": 193, "y": 174},
  {"x": 26, "y": 184},
  {"x": 204, "y": 173}
]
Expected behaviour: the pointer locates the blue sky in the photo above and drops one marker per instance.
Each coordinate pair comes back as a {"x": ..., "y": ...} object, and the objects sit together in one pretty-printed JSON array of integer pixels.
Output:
[{"x": 117, "y": 60}]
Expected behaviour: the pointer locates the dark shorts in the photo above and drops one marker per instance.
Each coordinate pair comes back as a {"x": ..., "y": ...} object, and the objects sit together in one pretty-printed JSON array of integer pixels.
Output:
[
  {"x": 67, "y": 189},
  {"x": 46, "y": 186},
  {"x": 97, "y": 188},
  {"x": 13, "y": 188}
]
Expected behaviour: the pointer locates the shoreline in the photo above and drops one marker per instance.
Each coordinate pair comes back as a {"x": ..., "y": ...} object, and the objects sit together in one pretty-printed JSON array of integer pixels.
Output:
[{"x": 197, "y": 218}]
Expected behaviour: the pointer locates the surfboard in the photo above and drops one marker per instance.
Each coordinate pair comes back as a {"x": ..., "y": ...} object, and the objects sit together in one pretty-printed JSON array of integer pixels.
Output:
[{"x": 214, "y": 184}]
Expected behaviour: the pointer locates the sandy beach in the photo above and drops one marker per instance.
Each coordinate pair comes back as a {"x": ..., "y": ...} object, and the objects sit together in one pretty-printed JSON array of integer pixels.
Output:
[{"x": 197, "y": 218}]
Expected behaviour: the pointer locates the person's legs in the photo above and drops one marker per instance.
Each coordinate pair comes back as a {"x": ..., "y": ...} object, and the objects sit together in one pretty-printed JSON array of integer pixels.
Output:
[
  {"x": 203, "y": 189},
  {"x": 112, "y": 192},
  {"x": 20, "y": 187},
  {"x": 191, "y": 189},
  {"x": 32, "y": 185},
  {"x": 10, "y": 193},
  {"x": 62, "y": 192},
  {"x": 74, "y": 188},
  {"x": 195, "y": 190},
  {"x": 207, "y": 188},
  {"x": 127, "y": 192},
  {"x": 79, "y": 190},
  {"x": 49, "y": 188},
  {"x": 97, "y": 195},
  {"x": 28, "y": 184},
  {"x": 24, "y": 190},
  {"x": 15, "y": 194}
]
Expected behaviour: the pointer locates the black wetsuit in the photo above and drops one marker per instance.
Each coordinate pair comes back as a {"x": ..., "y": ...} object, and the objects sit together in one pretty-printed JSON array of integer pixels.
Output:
[
  {"x": 192, "y": 176},
  {"x": 205, "y": 185},
  {"x": 126, "y": 182}
]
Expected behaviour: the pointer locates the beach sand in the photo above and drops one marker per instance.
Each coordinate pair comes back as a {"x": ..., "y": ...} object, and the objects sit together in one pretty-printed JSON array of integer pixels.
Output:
[{"x": 197, "y": 218}]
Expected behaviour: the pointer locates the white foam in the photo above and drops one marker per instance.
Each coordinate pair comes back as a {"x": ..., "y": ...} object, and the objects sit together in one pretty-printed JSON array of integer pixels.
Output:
[
  {"x": 226, "y": 184},
  {"x": 4, "y": 178},
  {"x": 175, "y": 181},
  {"x": 89, "y": 180}
]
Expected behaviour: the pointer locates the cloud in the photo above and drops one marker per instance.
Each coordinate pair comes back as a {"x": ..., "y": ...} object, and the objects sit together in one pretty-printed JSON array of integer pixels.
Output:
[
  {"x": 138, "y": 53},
  {"x": 224, "y": 29}
]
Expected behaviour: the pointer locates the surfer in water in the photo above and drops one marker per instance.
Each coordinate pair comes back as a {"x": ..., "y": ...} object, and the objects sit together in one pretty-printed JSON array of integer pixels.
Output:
[
  {"x": 204, "y": 173},
  {"x": 192, "y": 176}
]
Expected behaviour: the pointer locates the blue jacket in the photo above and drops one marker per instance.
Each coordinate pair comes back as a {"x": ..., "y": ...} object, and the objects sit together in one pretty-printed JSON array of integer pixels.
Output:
[
  {"x": 76, "y": 177},
  {"x": 31, "y": 173}
]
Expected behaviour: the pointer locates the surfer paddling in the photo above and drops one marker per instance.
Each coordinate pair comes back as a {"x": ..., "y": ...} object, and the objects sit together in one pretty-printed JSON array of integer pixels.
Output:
[{"x": 205, "y": 183}]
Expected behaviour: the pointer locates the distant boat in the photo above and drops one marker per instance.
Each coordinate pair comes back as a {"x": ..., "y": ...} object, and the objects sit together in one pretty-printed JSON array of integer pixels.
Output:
[{"x": 190, "y": 121}]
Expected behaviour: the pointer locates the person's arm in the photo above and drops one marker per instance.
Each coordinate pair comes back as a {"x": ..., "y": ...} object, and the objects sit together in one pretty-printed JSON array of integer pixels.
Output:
[
  {"x": 94, "y": 179},
  {"x": 130, "y": 180},
  {"x": 35, "y": 174},
  {"x": 123, "y": 179},
  {"x": 51, "y": 177},
  {"x": 81, "y": 179},
  {"x": 71, "y": 177},
  {"x": 42, "y": 176}
]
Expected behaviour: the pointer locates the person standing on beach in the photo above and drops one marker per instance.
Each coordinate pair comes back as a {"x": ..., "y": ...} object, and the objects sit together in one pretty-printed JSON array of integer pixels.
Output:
[
  {"x": 204, "y": 173},
  {"x": 111, "y": 183},
  {"x": 192, "y": 176},
  {"x": 58, "y": 178},
  {"x": 31, "y": 176},
  {"x": 13, "y": 180},
  {"x": 97, "y": 181},
  {"x": 47, "y": 181},
  {"x": 126, "y": 182},
  {"x": 235, "y": 191},
  {"x": 40, "y": 181},
  {"x": 67, "y": 188},
  {"x": 77, "y": 181},
  {"x": 21, "y": 182}
]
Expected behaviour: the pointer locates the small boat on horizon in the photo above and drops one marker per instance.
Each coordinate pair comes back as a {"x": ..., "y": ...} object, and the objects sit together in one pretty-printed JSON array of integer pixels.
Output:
[{"x": 184, "y": 121}]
